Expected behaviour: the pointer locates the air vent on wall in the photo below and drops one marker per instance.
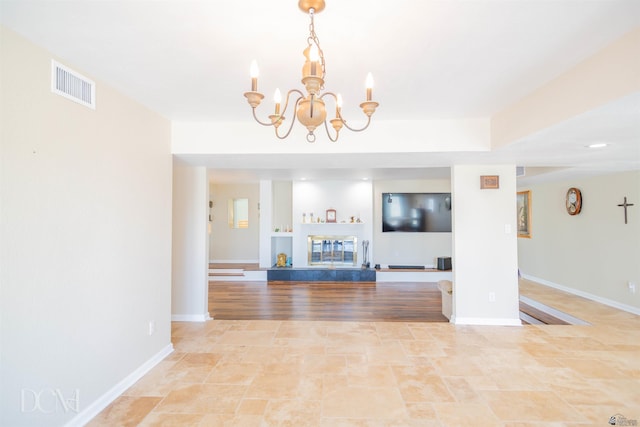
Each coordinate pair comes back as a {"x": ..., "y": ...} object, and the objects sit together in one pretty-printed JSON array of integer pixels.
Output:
[
  {"x": 72, "y": 85},
  {"x": 520, "y": 171}
]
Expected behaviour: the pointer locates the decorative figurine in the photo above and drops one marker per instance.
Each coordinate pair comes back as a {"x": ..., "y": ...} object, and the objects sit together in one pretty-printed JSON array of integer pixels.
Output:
[{"x": 282, "y": 260}]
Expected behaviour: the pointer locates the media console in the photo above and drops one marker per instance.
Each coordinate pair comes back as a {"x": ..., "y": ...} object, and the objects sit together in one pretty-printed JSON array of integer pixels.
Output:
[{"x": 407, "y": 267}]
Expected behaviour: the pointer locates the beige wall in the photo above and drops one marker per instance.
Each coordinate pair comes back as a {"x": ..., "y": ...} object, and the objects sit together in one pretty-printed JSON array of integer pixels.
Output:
[
  {"x": 595, "y": 252},
  {"x": 190, "y": 251},
  {"x": 85, "y": 238},
  {"x": 234, "y": 244}
]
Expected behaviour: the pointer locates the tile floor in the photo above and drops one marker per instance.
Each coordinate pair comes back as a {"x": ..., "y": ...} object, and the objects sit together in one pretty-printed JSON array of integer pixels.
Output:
[{"x": 303, "y": 373}]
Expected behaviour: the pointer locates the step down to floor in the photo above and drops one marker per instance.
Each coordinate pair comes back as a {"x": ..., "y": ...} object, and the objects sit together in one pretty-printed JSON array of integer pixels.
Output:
[
  {"x": 536, "y": 313},
  {"x": 226, "y": 272},
  {"x": 236, "y": 274}
]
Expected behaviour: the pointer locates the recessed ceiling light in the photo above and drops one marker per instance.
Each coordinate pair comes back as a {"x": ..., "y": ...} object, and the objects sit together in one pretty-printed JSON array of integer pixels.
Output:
[{"x": 597, "y": 145}]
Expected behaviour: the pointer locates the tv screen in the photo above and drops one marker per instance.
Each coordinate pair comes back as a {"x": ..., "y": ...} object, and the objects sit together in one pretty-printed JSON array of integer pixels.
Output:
[{"x": 416, "y": 212}]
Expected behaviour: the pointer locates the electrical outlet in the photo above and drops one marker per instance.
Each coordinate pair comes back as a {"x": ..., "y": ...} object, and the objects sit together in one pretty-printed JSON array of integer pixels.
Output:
[
  {"x": 152, "y": 327},
  {"x": 492, "y": 297},
  {"x": 632, "y": 287}
]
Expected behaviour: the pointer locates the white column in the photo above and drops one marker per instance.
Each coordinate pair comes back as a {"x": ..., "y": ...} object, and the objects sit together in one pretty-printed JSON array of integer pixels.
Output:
[{"x": 485, "y": 259}]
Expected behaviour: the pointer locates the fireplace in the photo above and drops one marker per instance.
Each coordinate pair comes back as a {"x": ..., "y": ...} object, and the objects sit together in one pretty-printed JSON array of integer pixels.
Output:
[{"x": 332, "y": 250}]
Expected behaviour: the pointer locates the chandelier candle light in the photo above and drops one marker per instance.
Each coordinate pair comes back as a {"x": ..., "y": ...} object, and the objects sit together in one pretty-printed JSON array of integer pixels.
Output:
[{"x": 310, "y": 110}]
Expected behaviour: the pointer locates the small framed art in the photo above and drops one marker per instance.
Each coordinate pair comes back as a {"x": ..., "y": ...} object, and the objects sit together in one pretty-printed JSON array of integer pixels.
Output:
[
  {"x": 489, "y": 182},
  {"x": 523, "y": 204},
  {"x": 331, "y": 215}
]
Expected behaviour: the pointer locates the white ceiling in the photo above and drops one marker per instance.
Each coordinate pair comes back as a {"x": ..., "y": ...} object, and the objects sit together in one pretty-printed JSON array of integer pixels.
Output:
[{"x": 189, "y": 60}]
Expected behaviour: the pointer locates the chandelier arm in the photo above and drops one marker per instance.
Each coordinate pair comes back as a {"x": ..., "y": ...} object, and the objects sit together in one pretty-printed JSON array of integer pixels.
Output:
[
  {"x": 339, "y": 116},
  {"x": 279, "y": 121},
  {"x": 326, "y": 128},
  {"x": 253, "y": 109},
  {"x": 335, "y": 97},
  {"x": 344, "y": 122},
  {"x": 286, "y": 104},
  {"x": 294, "y": 115}
]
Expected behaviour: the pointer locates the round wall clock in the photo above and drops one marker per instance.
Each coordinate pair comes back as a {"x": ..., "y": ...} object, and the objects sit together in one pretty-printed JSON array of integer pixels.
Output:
[{"x": 574, "y": 201}]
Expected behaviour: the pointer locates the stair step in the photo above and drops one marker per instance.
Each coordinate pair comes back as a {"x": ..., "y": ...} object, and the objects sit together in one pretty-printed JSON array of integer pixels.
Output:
[
  {"x": 534, "y": 312},
  {"x": 241, "y": 277},
  {"x": 227, "y": 272}
]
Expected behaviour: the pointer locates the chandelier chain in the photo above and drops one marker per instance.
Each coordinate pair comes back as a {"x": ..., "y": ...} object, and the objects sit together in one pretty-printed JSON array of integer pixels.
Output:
[{"x": 313, "y": 39}]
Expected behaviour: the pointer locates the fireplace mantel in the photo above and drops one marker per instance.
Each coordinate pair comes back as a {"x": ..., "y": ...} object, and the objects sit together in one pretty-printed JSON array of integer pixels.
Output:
[
  {"x": 332, "y": 228},
  {"x": 331, "y": 224}
]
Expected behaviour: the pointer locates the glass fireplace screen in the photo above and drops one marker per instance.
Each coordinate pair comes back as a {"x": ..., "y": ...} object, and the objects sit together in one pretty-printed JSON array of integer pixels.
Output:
[{"x": 332, "y": 250}]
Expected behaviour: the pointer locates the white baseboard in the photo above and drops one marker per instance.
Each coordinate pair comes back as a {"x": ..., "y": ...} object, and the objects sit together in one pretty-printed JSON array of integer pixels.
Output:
[
  {"x": 106, "y": 399},
  {"x": 530, "y": 320},
  {"x": 486, "y": 321},
  {"x": 234, "y": 261},
  {"x": 190, "y": 317},
  {"x": 592, "y": 297}
]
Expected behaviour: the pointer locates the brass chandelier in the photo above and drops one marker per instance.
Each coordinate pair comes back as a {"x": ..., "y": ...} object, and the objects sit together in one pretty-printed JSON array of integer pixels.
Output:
[{"x": 310, "y": 109}]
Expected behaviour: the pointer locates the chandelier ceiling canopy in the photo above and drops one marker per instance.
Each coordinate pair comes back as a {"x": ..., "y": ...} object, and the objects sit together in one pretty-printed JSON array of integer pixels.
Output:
[{"x": 310, "y": 108}]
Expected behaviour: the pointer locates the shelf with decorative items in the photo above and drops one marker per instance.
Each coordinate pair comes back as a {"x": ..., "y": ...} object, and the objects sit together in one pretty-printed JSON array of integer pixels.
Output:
[
  {"x": 282, "y": 230},
  {"x": 330, "y": 217},
  {"x": 333, "y": 224},
  {"x": 333, "y": 228}
]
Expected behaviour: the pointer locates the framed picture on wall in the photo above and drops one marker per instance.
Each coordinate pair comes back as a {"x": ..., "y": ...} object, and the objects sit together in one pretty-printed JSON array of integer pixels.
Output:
[
  {"x": 331, "y": 215},
  {"x": 523, "y": 203},
  {"x": 491, "y": 182}
]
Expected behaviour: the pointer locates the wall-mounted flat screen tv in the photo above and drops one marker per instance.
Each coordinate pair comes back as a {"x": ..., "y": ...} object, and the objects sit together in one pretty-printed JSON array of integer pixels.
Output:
[{"x": 416, "y": 212}]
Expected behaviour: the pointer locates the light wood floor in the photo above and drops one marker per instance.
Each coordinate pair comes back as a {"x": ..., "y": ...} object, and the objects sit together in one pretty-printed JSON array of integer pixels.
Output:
[{"x": 367, "y": 302}]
